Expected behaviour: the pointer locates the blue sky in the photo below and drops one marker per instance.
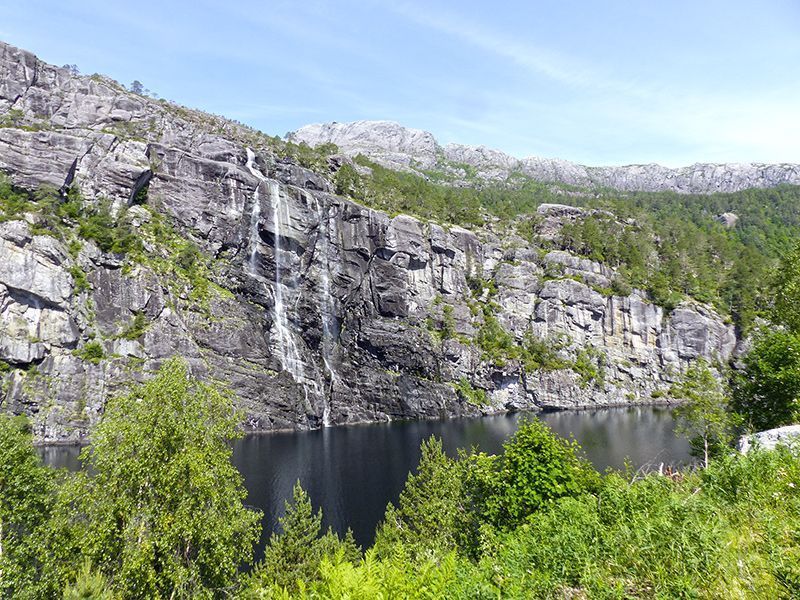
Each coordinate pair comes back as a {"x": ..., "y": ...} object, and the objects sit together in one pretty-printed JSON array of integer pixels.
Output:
[{"x": 614, "y": 82}]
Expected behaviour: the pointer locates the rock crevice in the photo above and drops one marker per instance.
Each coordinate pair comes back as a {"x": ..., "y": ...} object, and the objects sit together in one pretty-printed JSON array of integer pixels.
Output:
[{"x": 316, "y": 310}]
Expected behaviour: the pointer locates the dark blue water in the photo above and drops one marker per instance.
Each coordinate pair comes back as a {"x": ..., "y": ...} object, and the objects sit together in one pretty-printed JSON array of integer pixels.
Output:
[{"x": 353, "y": 472}]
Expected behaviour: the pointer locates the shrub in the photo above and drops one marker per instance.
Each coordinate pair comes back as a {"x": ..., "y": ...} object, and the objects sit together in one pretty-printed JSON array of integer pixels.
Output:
[
  {"x": 91, "y": 352},
  {"x": 137, "y": 327},
  {"x": 473, "y": 395},
  {"x": 536, "y": 467}
]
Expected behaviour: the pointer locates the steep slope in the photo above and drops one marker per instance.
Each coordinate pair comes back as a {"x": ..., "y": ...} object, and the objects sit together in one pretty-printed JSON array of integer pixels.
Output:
[
  {"x": 316, "y": 310},
  {"x": 396, "y": 146}
]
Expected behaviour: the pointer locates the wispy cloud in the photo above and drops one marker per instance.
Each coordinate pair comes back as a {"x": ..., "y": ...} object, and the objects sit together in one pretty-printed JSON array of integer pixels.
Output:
[{"x": 533, "y": 58}]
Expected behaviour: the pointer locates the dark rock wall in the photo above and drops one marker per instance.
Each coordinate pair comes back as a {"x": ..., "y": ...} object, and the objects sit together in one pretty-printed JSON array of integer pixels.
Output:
[{"x": 323, "y": 309}]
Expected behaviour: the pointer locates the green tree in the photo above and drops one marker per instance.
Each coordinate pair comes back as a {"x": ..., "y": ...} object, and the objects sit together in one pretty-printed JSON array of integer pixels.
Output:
[
  {"x": 161, "y": 511},
  {"x": 89, "y": 585},
  {"x": 786, "y": 310},
  {"x": 431, "y": 509},
  {"x": 347, "y": 181},
  {"x": 536, "y": 467},
  {"x": 705, "y": 416},
  {"x": 25, "y": 503},
  {"x": 293, "y": 556},
  {"x": 767, "y": 391}
]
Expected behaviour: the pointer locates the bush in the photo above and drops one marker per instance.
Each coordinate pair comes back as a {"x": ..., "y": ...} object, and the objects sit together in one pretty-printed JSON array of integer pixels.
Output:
[
  {"x": 137, "y": 327},
  {"x": 91, "y": 352},
  {"x": 472, "y": 395},
  {"x": 536, "y": 468}
]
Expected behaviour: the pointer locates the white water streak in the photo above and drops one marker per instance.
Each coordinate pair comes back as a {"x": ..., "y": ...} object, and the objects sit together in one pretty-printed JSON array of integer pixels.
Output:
[
  {"x": 326, "y": 307},
  {"x": 288, "y": 353}
]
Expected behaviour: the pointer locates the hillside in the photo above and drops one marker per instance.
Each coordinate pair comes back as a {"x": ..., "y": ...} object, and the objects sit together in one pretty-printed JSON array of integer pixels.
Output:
[
  {"x": 398, "y": 147},
  {"x": 329, "y": 289}
]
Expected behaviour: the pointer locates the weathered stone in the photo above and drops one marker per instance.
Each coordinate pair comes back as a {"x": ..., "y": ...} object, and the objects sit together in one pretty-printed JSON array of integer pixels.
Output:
[
  {"x": 770, "y": 439},
  {"x": 324, "y": 311},
  {"x": 396, "y": 146}
]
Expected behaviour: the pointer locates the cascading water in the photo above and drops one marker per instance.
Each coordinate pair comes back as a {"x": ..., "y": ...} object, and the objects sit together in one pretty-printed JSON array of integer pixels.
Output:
[
  {"x": 326, "y": 307},
  {"x": 286, "y": 346},
  {"x": 255, "y": 217}
]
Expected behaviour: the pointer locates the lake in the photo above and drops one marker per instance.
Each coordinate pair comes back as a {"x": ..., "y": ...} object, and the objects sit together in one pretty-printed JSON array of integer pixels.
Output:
[{"x": 353, "y": 472}]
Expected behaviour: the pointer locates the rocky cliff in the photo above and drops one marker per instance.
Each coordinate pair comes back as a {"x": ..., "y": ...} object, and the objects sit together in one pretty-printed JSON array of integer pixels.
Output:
[
  {"x": 316, "y": 310},
  {"x": 400, "y": 147}
]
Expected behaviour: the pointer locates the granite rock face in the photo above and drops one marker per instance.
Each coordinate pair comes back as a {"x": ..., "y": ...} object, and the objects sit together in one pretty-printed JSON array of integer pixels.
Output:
[
  {"x": 396, "y": 146},
  {"x": 770, "y": 439},
  {"x": 323, "y": 311}
]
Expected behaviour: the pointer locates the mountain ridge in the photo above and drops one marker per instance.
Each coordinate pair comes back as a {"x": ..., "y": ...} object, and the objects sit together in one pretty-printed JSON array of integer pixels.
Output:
[
  {"x": 396, "y": 146},
  {"x": 147, "y": 230}
]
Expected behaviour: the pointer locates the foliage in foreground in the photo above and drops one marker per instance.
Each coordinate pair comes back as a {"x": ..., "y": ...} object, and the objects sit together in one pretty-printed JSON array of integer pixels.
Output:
[
  {"x": 729, "y": 531},
  {"x": 160, "y": 514},
  {"x": 157, "y": 513}
]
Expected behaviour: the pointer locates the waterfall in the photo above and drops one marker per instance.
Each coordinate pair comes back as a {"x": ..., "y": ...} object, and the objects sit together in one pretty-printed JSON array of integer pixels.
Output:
[
  {"x": 326, "y": 306},
  {"x": 255, "y": 217},
  {"x": 287, "y": 348},
  {"x": 286, "y": 344}
]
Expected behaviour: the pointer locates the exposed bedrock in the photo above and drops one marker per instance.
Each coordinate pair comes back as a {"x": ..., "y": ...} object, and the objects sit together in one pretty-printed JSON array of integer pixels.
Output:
[{"x": 323, "y": 312}]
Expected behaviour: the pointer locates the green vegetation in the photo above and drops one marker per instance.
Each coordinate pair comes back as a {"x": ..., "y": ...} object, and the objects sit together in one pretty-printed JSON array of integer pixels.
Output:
[
  {"x": 704, "y": 416},
  {"x": 91, "y": 352},
  {"x": 69, "y": 218},
  {"x": 13, "y": 202},
  {"x": 767, "y": 391},
  {"x": 668, "y": 244},
  {"x": 159, "y": 513},
  {"x": 13, "y": 118},
  {"x": 178, "y": 260},
  {"x": 500, "y": 347},
  {"x": 162, "y": 512},
  {"x": 495, "y": 342},
  {"x": 295, "y": 555},
  {"x": 152, "y": 241},
  {"x": 672, "y": 246},
  {"x": 443, "y": 325},
  {"x": 137, "y": 327},
  {"x": 80, "y": 279},
  {"x": 347, "y": 181},
  {"x": 26, "y": 490},
  {"x": 471, "y": 394}
]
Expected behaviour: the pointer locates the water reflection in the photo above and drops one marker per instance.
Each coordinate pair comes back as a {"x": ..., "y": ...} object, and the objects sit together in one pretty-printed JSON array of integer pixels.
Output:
[{"x": 353, "y": 472}]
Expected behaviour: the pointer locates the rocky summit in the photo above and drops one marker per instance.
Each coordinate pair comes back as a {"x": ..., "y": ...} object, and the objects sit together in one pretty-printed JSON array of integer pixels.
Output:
[
  {"x": 316, "y": 310},
  {"x": 399, "y": 147}
]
